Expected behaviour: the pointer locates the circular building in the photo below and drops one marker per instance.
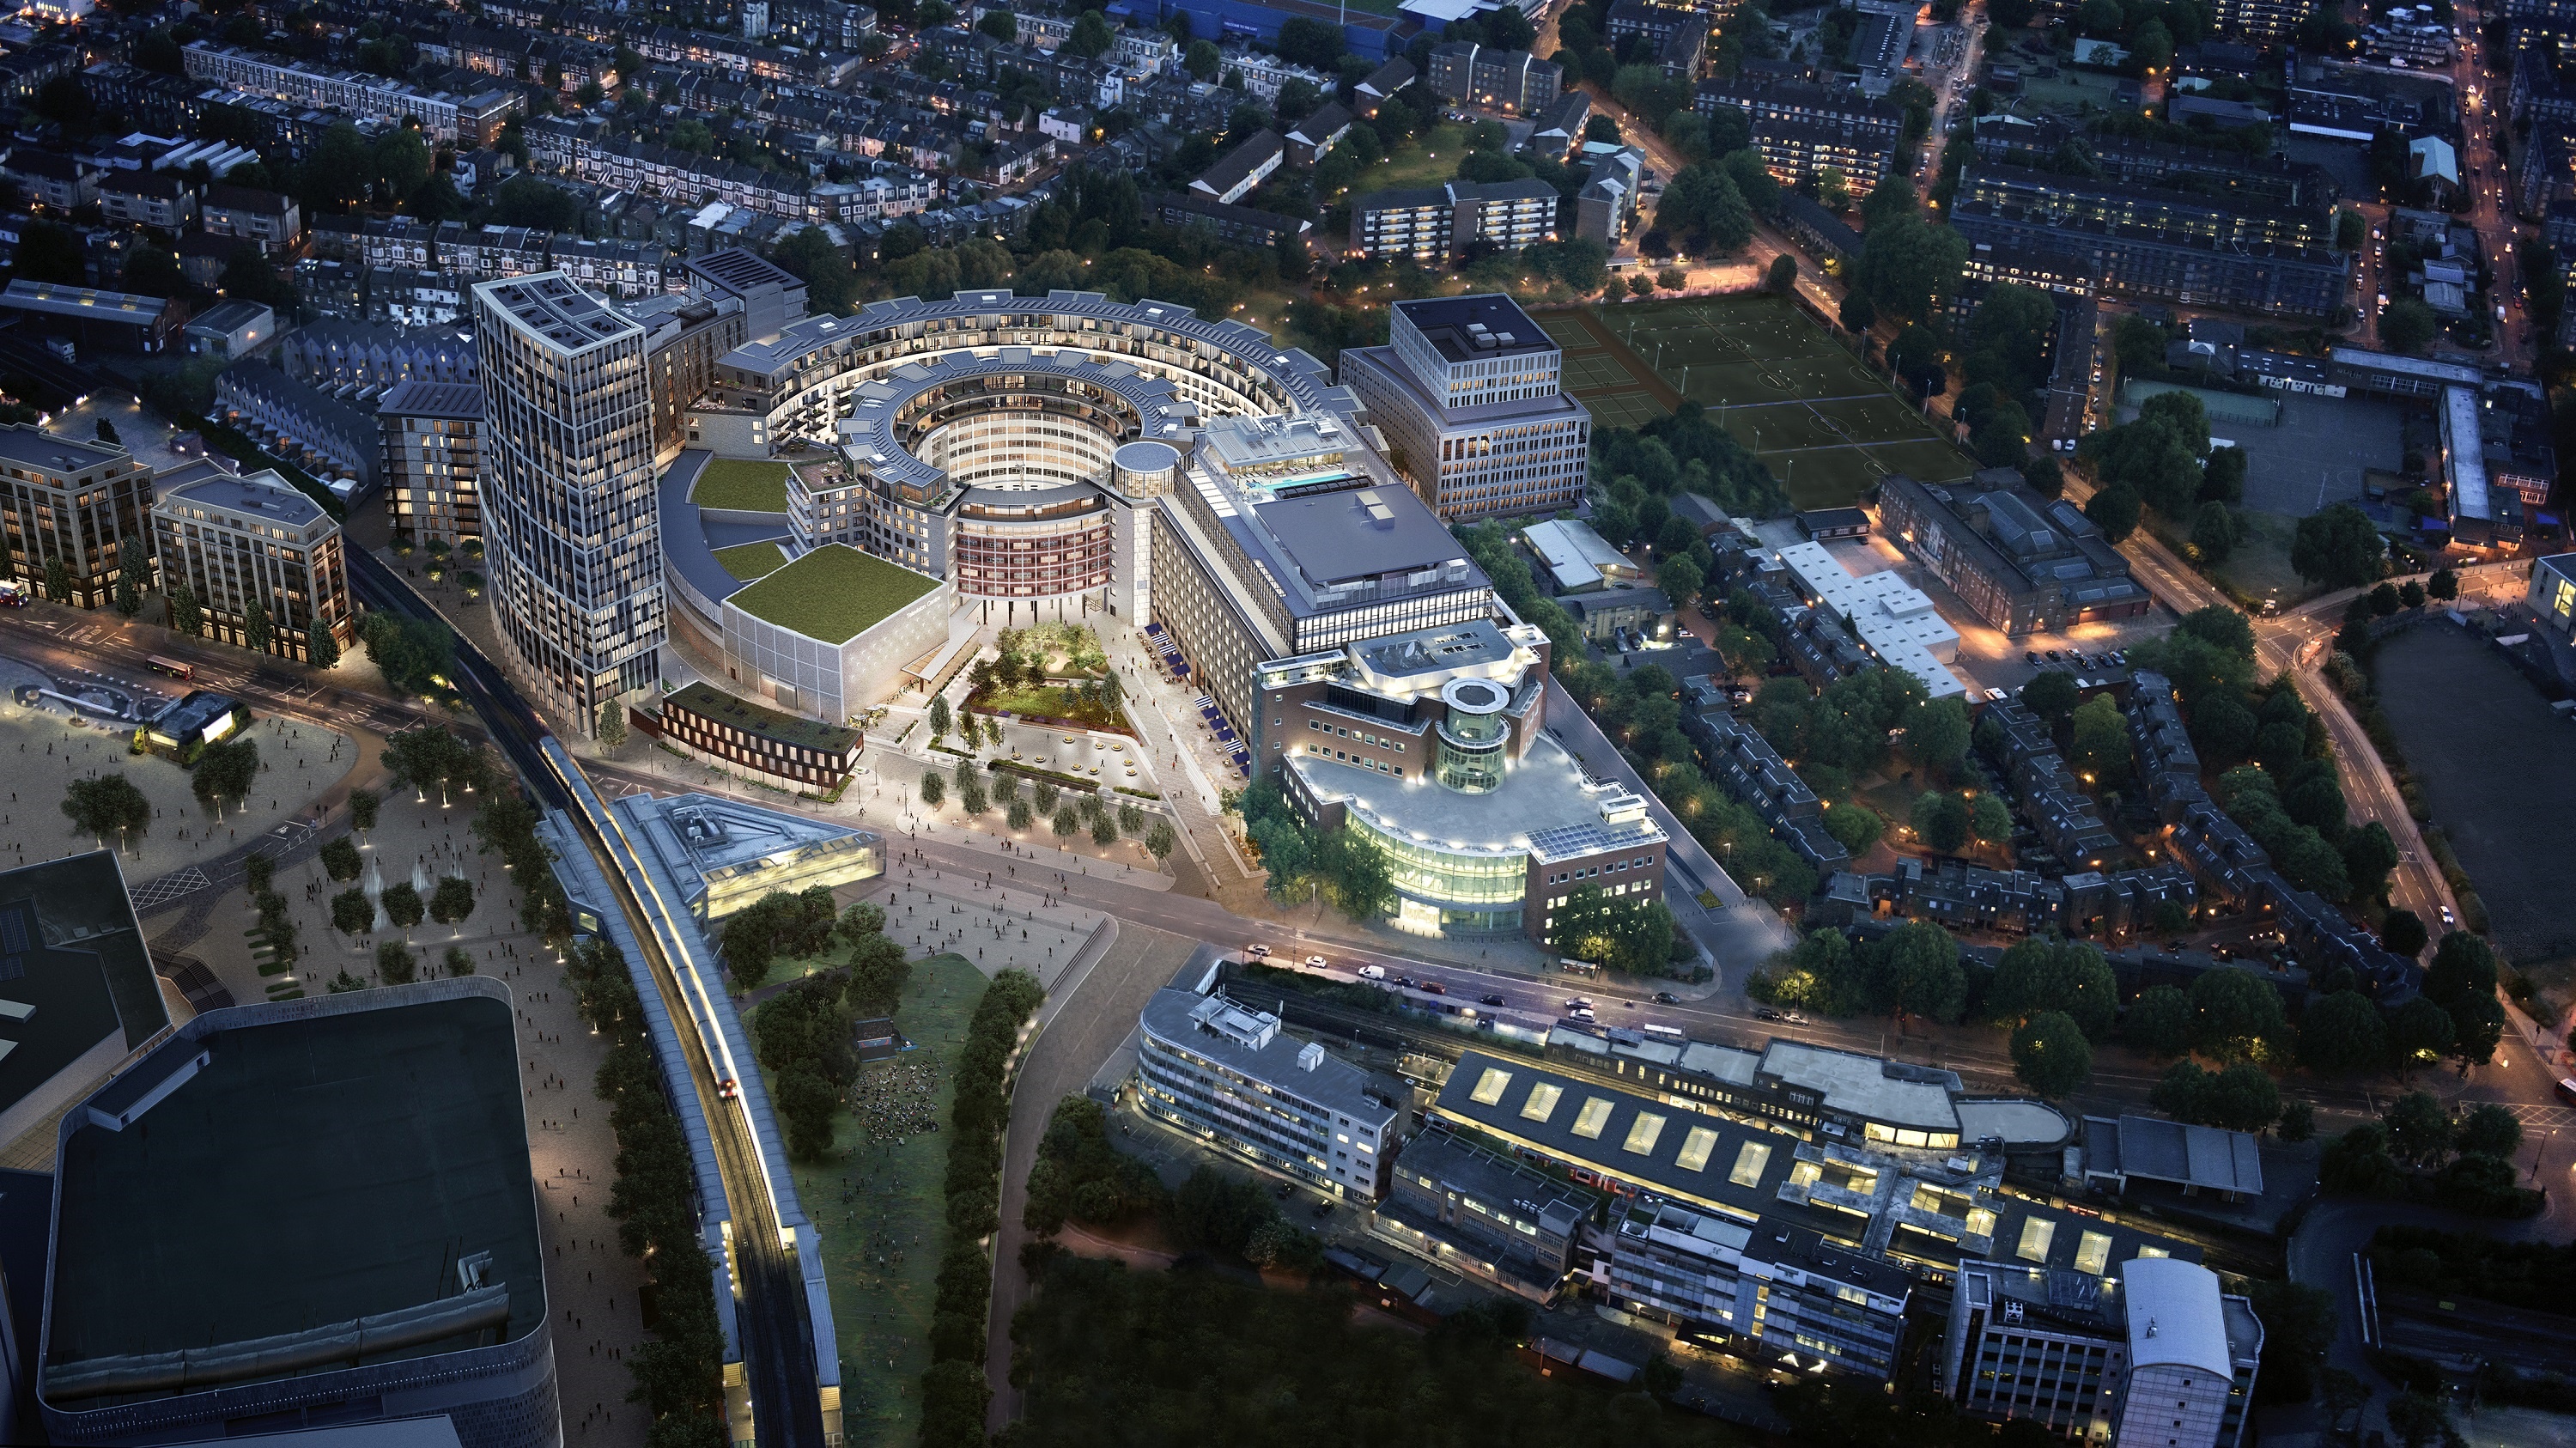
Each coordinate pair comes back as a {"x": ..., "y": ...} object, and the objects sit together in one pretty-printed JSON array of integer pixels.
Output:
[{"x": 1010, "y": 446}]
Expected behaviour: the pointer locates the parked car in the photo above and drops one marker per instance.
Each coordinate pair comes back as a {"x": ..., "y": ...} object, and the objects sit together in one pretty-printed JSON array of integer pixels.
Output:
[
  {"x": 1433, "y": 987},
  {"x": 1579, "y": 1003},
  {"x": 1257, "y": 952},
  {"x": 1765, "y": 1013},
  {"x": 1491, "y": 1000},
  {"x": 2030, "y": 656}
]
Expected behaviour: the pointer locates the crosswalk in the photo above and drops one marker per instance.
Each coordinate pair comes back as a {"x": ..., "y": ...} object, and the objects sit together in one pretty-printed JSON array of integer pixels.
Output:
[{"x": 152, "y": 894}]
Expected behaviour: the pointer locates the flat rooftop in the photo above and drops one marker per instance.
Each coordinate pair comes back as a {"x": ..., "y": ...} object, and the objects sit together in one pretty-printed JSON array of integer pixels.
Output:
[
  {"x": 1869, "y": 1087},
  {"x": 73, "y": 971},
  {"x": 551, "y": 305},
  {"x": 395, "y": 1113},
  {"x": 33, "y": 447},
  {"x": 263, "y": 495},
  {"x": 833, "y": 594},
  {"x": 1358, "y": 533},
  {"x": 1544, "y": 806},
  {"x": 1450, "y": 325},
  {"x": 1202, "y": 1023},
  {"x": 459, "y": 400},
  {"x": 1434, "y": 653}
]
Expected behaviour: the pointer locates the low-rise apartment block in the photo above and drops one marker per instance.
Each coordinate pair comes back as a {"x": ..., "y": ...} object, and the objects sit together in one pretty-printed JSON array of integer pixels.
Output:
[
  {"x": 73, "y": 502},
  {"x": 236, "y": 541},
  {"x": 1434, "y": 224},
  {"x": 1514, "y": 81},
  {"x": 1800, "y": 128},
  {"x": 1230, "y": 1077}
]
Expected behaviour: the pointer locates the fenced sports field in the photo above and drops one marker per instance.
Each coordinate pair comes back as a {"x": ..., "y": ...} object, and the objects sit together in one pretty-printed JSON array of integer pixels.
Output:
[{"x": 1826, "y": 426}]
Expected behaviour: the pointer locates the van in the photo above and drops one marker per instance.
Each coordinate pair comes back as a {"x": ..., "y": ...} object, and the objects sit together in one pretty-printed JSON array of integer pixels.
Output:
[{"x": 1372, "y": 972}]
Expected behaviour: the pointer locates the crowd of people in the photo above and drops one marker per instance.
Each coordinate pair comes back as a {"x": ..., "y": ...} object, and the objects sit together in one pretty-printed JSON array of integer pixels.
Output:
[{"x": 897, "y": 1099}]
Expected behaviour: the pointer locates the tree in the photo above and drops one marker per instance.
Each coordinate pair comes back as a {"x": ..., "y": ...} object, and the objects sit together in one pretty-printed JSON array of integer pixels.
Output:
[
  {"x": 130, "y": 572},
  {"x": 2042, "y": 976},
  {"x": 1854, "y": 826},
  {"x": 352, "y": 913},
  {"x": 2337, "y": 547},
  {"x": 2299, "y": 1324},
  {"x": 2407, "y": 325},
  {"x": 831, "y": 281},
  {"x": 934, "y": 791},
  {"x": 452, "y": 901},
  {"x": 2444, "y": 585},
  {"x": 2231, "y": 1011},
  {"x": 363, "y": 805},
  {"x": 1314, "y": 44},
  {"x": 1858, "y": 315},
  {"x": 50, "y": 252},
  {"x": 2421, "y": 1420},
  {"x": 2489, "y": 1130},
  {"x": 1002, "y": 25},
  {"x": 1066, "y": 824},
  {"x": 1936, "y": 737},
  {"x": 2116, "y": 511},
  {"x": 2050, "y": 1054},
  {"x": 402, "y": 904},
  {"x": 1989, "y": 819},
  {"x": 107, "y": 804},
  {"x": 2341, "y": 1033},
  {"x": 2419, "y": 1130},
  {"x": 321, "y": 646},
  {"x": 1915, "y": 972},
  {"x": 58, "y": 580},
  {"x": 1908, "y": 265},
  {"x": 1940, "y": 820},
  {"x": 458, "y": 961},
  {"x": 2052, "y": 696},
  {"x": 341, "y": 860},
  {"x": 1160, "y": 840},
  {"x": 806, "y": 1101},
  {"x": 2099, "y": 747},
  {"x": 1783, "y": 276},
  {"x": 1680, "y": 579},
  {"x": 395, "y": 962},
  {"x": 1202, "y": 59},
  {"x": 939, "y": 719},
  {"x": 2419, "y": 1031},
  {"x": 255, "y": 629},
  {"x": 2402, "y": 932},
  {"x": 2214, "y": 531},
  {"x": 2159, "y": 1021}
]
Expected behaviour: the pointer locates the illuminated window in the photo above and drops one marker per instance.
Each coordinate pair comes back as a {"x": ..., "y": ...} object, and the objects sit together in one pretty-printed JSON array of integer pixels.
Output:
[
  {"x": 1594, "y": 1115},
  {"x": 1542, "y": 1101},
  {"x": 1695, "y": 1149},
  {"x": 2153, "y": 1252},
  {"x": 2093, "y": 1253},
  {"x": 1489, "y": 1087},
  {"x": 1749, "y": 1163},
  {"x": 2036, "y": 1234},
  {"x": 1642, "y": 1133}
]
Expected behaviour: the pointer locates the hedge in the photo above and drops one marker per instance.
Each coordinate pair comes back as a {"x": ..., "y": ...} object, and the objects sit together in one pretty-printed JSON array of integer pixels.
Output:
[{"x": 954, "y": 1393}]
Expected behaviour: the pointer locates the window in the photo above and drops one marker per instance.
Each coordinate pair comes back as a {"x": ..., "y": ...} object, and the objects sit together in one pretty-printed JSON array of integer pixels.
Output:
[
  {"x": 1489, "y": 1087},
  {"x": 1594, "y": 1116},
  {"x": 1542, "y": 1101},
  {"x": 2093, "y": 1253},
  {"x": 1695, "y": 1149},
  {"x": 2153, "y": 1252},
  {"x": 1643, "y": 1132},
  {"x": 1749, "y": 1162},
  {"x": 2036, "y": 1234}
]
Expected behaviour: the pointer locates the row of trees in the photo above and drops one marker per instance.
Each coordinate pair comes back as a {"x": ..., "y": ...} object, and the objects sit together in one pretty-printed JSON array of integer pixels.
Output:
[
  {"x": 679, "y": 1375},
  {"x": 954, "y": 1393},
  {"x": 2421, "y": 1151},
  {"x": 1306, "y": 863}
]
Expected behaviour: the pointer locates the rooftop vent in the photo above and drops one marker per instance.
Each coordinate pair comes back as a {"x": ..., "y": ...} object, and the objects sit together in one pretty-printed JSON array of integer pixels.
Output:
[
  {"x": 2012, "y": 1311},
  {"x": 1311, "y": 1057}
]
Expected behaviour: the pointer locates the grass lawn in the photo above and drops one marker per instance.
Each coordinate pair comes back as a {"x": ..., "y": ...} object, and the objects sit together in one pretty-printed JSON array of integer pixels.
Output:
[
  {"x": 751, "y": 560},
  {"x": 1425, "y": 160},
  {"x": 877, "y": 1207},
  {"x": 2260, "y": 566},
  {"x": 833, "y": 594},
  {"x": 743, "y": 485},
  {"x": 1055, "y": 701}
]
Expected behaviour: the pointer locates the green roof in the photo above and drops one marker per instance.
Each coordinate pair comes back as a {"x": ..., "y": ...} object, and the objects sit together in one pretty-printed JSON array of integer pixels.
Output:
[
  {"x": 742, "y": 485},
  {"x": 751, "y": 560},
  {"x": 833, "y": 594},
  {"x": 761, "y": 721},
  {"x": 396, "y": 1116}
]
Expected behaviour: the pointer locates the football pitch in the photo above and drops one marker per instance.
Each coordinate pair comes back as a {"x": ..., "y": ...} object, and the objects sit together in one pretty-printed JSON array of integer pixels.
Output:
[{"x": 1826, "y": 426}]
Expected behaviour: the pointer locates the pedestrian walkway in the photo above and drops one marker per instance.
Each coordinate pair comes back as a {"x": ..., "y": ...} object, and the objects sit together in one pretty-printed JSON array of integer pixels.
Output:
[{"x": 998, "y": 919}]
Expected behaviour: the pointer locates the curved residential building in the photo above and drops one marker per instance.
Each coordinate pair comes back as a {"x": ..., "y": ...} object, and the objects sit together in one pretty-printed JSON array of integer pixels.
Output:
[{"x": 569, "y": 513}]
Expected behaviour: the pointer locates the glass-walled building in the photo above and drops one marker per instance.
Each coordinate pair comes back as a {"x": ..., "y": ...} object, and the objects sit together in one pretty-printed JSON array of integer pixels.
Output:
[{"x": 1432, "y": 746}]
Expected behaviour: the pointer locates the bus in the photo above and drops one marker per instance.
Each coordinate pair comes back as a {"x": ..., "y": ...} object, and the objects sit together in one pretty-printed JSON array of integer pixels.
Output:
[
  {"x": 14, "y": 594},
  {"x": 175, "y": 668},
  {"x": 1571, "y": 966}
]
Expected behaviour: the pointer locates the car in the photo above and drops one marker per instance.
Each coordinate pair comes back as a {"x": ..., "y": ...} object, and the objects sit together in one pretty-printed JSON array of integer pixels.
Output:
[
  {"x": 2054, "y": 657},
  {"x": 1765, "y": 1013},
  {"x": 1314, "y": 962},
  {"x": 728, "y": 1088},
  {"x": 1667, "y": 998},
  {"x": 1372, "y": 972},
  {"x": 1321, "y": 1211},
  {"x": 1578, "y": 1003},
  {"x": 1283, "y": 1191},
  {"x": 1585, "y": 1014},
  {"x": 2449, "y": 921},
  {"x": 1433, "y": 987},
  {"x": 1257, "y": 952},
  {"x": 1793, "y": 1018},
  {"x": 1407, "y": 982},
  {"x": 1491, "y": 1000},
  {"x": 2030, "y": 656}
]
